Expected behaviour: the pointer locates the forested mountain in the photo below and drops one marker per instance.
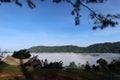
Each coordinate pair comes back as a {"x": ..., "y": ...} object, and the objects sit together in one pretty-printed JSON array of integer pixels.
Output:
[
  {"x": 104, "y": 48},
  {"x": 95, "y": 48},
  {"x": 68, "y": 48}
]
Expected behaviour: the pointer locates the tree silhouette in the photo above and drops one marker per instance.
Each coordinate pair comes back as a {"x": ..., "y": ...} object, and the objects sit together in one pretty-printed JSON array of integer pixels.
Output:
[
  {"x": 99, "y": 20},
  {"x": 21, "y": 54}
]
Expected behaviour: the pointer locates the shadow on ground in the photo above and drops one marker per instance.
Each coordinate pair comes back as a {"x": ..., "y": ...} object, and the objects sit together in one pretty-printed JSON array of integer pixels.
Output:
[{"x": 25, "y": 71}]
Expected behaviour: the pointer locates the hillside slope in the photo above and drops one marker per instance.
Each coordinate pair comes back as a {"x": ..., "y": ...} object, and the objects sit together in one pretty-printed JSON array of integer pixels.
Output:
[{"x": 95, "y": 48}]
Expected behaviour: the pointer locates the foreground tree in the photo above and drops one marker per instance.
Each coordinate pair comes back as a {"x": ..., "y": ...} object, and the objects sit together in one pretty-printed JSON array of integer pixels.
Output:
[
  {"x": 99, "y": 20},
  {"x": 21, "y": 54},
  {"x": 102, "y": 63}
]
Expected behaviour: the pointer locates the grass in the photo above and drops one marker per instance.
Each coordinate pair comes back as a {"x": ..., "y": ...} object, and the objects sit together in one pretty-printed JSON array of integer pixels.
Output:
[
  {"x": 8, "y": 72},
  {"x": 7, "y": 69}
]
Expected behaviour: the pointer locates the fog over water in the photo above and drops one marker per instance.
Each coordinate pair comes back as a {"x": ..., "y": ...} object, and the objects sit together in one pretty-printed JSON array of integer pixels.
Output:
[
  {"x": 81, "y": 58},
  {"x": 77, "y": 58}
]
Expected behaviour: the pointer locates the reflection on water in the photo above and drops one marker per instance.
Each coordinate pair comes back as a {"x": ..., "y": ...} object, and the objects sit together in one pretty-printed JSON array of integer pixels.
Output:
[{"x": 77, "y": 58}]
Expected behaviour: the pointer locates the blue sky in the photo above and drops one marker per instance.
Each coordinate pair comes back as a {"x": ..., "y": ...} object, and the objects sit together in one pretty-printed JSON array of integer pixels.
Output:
[{"x": 52, "y": 24}]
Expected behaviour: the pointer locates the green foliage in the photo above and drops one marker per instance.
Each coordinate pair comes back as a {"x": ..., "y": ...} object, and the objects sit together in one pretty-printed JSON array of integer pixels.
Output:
[
  {"x": 11, "y": 72},
  {"x": 72, "y": 65},
  {"x": 104, "y": 48},
  {"x": 21, "y": 54},
  {"x": 68, "y": 48},
  {"x": 103, "y": 63},
  {"x": 96, "y": 48}
]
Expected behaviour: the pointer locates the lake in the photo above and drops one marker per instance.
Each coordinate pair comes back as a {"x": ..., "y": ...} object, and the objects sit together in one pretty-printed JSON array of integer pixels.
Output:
[{"x": 81, "y": 58}]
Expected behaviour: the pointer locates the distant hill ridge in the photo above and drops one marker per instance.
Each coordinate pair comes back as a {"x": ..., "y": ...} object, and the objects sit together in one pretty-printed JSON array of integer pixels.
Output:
[{"x": 95, "y": 48}]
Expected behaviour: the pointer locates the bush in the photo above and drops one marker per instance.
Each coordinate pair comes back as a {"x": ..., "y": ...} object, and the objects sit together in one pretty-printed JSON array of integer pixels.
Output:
[
  {"x": 87, "y": 66},
  {"x": 115, "y": 65},
  {"x": 54, "y": 65},
  {"x": 103, "y": 64},
  {"x": 72, "y": 65}
]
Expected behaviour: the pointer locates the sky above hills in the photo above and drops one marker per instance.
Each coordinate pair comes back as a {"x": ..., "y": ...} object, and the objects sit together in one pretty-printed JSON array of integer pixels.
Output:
[{"x": 52, "y": 24}]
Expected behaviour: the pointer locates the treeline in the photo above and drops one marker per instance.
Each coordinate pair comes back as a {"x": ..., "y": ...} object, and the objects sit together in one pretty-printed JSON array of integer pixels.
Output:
[
  {"x": 95, "y": 48},
  {"x": 102, "y": 65},
  {"x": 104, "y": 48},
  {"x": 68, "y": 48}
]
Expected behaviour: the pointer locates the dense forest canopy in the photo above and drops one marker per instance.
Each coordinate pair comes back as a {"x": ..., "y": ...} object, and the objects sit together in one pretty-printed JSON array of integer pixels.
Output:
[
  {"x": 95, "y": 48},
  {"x": 99, "y": 20}
]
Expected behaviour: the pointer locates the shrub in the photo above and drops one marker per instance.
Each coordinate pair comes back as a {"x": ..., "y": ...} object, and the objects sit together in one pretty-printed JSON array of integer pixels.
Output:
[
  {"x": 87, "y": 66},
  {"x": 72, "y": 65},
  {"x": 115, "y": 65},
  {"x": 103, "y": 64}
]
